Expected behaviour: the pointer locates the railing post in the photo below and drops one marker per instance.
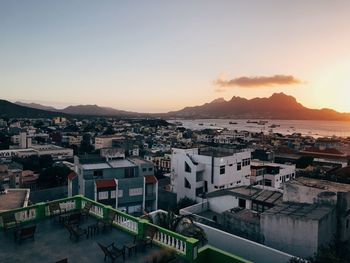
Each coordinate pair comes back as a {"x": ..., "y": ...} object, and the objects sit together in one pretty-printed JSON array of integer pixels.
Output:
[
  {"x": 40, "y": 211},
  {"x": 78, "y": 199},
  {"x": 191, "y": 249},
  {"x": 141, "y": 226},
  {"x": 106, "y": 210}
]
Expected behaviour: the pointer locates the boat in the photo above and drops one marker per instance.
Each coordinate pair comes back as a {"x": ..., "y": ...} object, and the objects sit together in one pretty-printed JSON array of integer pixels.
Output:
[
  {"x": 262, "y": 122},
  {"x": 274, "y": 126},
  {"x": 201, "y": 124},
  {"x": 233, "y": 122}
]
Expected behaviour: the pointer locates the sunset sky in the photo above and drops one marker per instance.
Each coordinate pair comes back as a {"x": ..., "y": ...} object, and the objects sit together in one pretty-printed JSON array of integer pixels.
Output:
[{"x": 157, "y": 56}]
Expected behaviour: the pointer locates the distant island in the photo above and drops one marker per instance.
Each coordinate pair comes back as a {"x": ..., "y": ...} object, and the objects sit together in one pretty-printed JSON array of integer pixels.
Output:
[{"x": 278, "y": 106}]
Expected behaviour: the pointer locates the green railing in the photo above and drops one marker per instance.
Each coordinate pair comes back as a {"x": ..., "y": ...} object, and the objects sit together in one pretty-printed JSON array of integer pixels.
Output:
[{"x": 183, "y": 246}]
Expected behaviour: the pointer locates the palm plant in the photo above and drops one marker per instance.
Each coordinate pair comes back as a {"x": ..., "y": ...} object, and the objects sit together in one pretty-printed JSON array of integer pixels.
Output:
[{"x": 182, "y": 224}]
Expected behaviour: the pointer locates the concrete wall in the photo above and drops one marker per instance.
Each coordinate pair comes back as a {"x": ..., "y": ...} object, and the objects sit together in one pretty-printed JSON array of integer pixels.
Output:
[
  {"x": 244, "y": 248},
  {"x": 327, "y": 229},
  {"x": 242, "y": 227},
  {"x": 289, "y": 234},
  {"x": 300, "y": 194},
  {"x": 344, "y": 216}
]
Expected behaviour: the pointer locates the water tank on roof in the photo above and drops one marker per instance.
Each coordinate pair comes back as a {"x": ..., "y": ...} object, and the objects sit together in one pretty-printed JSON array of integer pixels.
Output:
[{"x": 327, "y": 198}]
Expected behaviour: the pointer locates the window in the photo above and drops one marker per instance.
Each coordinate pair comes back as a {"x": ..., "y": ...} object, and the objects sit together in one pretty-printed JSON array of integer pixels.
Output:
[
  {"x": 113, "y": 194},
  {"x": 267, "y": 182},
  {"x": 129, "y": 172},
  {"x": 135, "y": 191},
  {"x": 239, "y": 166},
  {"x": 230, "y": 164},
  {"x": 98, "y": 174},
  {"x": 347, "y": 223},
  {"x": 150, "y": 169},
  {"x": 241, "y": 203},
  {"x": 222, "y": 169},
  {"x": 120, "y": 193},
  {"x": 149, "y": 189},
  {"x": 187, "y": 168},
  {"x": 187, "y": 184},
  {"x": 103, "y": 195},
  {"x": 144, "y": 169}
]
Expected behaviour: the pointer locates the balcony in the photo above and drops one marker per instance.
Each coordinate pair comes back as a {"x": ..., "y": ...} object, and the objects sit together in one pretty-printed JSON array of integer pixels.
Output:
[{"x": 52, "y": 240}]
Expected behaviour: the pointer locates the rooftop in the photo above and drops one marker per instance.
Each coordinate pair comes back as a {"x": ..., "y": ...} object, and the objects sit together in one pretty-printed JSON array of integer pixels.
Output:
[
  {"x": 14, "y": 198},
  {"x": 253, "y": 193},
  {"x": 52, "y": 244},
  {"x": 321, "y": 184},
  {"x": 300, "y": 211}
]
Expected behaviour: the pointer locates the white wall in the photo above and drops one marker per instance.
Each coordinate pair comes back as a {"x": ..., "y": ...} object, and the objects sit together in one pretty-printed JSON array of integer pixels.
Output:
[{"x": 243, "y": 248}]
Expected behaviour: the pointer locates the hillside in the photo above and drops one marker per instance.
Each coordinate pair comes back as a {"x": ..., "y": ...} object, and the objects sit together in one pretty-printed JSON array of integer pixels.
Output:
[{"x": 278, "y": 106}]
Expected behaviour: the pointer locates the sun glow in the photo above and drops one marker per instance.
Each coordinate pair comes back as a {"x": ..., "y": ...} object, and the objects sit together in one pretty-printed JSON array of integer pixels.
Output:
[{"x": 332, "y": 88}]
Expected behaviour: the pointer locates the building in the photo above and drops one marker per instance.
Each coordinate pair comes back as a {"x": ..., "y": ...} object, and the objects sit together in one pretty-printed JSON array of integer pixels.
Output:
[
  {"x": 106, "y": 141},
  {"x": 195, "y": 172},
  {"x": 299, "y": 229},
  {"x": 56, "y": 152},
  {"x": 59, "y": 120},
  {"x": 126, "y": 184},
  {"x": 271, "y": 174}
]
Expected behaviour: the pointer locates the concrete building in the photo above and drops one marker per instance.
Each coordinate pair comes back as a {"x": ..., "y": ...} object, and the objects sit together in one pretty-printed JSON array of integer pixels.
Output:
[
  {"x": 126, "y": 184},
  {"x": 195, "y": 172},
  {"x": 299, "y": 229},
  {"x": 105, "y": 141},
  {"x": 57, "y": 153},
  {"x": 59, "y": 120},
  {"x": 271, "y": 174}
]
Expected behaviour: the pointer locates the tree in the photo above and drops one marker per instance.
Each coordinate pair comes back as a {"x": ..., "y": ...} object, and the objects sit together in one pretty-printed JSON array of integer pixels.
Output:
[{"x": 53, "y": 176}]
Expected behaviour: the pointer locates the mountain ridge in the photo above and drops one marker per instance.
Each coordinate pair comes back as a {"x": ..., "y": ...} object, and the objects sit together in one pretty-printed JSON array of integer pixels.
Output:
[{"x": 277, "y": 106}]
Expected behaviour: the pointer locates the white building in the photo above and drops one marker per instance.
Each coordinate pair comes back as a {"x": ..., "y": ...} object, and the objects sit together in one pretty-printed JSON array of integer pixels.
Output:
[
  {"x": 197, "y": 171},
  {"x": 105, "y": 141},
  {"x": 271, "y": 174}
]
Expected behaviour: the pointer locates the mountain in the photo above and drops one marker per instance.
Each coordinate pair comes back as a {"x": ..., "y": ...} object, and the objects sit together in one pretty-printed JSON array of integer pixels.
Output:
[
  {"x": 36, "y": 106},
  {"x": 12, "y": 110},
  {"x": 278, "y": 106},
  {"x": 95, "y": 110}
]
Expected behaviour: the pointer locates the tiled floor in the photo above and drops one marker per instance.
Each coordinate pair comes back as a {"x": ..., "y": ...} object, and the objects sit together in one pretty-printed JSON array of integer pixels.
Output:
[{"x": 52, "y": 243}]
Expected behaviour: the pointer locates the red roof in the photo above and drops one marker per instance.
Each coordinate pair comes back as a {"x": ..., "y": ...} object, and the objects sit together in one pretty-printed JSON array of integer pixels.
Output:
[
  {"x": 105, "y": 183},
  {"x": 71, "y": 176},
  {"x": 150, "y": 179}
]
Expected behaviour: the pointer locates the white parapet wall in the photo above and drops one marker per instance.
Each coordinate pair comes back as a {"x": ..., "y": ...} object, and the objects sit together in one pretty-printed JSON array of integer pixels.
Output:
[{"x": 243, "y": 247}]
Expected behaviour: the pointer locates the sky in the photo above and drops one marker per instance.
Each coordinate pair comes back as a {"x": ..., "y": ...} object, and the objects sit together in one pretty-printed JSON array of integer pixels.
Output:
[{"x": 157, "y": 56}]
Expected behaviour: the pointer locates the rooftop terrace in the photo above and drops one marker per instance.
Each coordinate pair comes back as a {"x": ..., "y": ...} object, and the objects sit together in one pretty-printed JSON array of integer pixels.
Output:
[{"x": 52, "y": 241}]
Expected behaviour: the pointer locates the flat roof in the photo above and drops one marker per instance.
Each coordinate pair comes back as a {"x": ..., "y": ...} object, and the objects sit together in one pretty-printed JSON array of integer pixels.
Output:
[
  {"x": 138, "y": 161},
  {"x": 95, "y": 166},
  {"x": 321, "y": 184},
  {"x": 14, "y": 198},
  {"x": 253, "y": 193},
  {"x": 121, "y": 163},
  {"x": 300, "y": 211}
]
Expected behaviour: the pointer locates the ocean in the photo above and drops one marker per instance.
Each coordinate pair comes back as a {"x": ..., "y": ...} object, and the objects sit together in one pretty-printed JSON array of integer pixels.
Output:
[{"x": 305, "y": 127}]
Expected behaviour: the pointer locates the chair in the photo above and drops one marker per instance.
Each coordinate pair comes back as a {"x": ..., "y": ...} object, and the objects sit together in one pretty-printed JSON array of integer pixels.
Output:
[
  {"x": 147, "y": 238},
  {"x": 55, "y": 209},
  {"x": 112, "y": 251},
  {"x": 85, "y": 211},
  {"x": 9, "y": 221},
  {"x": 108, "y": 222},
  {"x": 25, "y": 233},
  {"x": 75, "y": 231}
]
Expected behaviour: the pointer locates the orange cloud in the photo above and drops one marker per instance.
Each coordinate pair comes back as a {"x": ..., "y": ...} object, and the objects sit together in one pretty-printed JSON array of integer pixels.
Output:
[{"x": 258, "y": 81}]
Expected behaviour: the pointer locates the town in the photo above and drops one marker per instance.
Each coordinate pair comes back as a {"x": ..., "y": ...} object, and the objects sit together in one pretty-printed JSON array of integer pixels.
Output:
[{"x": 275, "y": 197}]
